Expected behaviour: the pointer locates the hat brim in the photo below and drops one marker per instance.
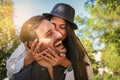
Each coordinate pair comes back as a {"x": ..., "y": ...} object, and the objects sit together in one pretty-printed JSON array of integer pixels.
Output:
[{"x": 74, "y": 26}]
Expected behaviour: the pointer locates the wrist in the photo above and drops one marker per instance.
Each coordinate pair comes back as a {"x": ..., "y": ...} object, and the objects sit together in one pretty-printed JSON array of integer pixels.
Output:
[
  {"x": 66, "y": 63},
  {"x": 68, "y": 69}
]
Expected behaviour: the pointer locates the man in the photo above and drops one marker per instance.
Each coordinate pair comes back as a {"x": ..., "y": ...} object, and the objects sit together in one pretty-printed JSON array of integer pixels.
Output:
[
  {"x": 14, "y": 66},
  {"x": 38, "y": 27}
]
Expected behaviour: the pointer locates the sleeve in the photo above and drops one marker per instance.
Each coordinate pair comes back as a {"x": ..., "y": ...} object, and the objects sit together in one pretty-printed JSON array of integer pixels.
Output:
[
  {"x": 16, "y": 61},
  {"x": 70, "y": 75},
  {"x": 89, "y": 72},
  {"x": 19, "y": 65},
  {"x": 88, "y": 67}
]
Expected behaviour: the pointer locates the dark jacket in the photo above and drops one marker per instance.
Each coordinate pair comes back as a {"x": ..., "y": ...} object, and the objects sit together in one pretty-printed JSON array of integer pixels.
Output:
[{"x": 38, "y": 72}]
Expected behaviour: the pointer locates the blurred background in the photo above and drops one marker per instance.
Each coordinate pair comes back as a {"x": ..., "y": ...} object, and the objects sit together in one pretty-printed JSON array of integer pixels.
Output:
[{"x": 99, "y": 31}]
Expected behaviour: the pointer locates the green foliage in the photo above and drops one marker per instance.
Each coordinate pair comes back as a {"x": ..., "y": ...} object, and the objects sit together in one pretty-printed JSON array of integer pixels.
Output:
[
  {"x": 104, "y": 23},
  {"x": 9, "y": 40},
  {"x": 111, "y": 58}
]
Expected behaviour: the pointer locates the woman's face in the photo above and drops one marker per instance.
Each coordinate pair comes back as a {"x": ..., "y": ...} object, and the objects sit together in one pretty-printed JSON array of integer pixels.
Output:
[{"x": 60, "y": 25}]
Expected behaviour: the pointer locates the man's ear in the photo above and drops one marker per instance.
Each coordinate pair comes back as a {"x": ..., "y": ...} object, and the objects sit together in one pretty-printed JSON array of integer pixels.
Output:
[{"x": 29, "y": 44}]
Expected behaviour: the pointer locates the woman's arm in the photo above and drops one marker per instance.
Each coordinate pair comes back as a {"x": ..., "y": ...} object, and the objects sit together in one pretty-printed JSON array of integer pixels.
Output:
[{"x": 16, "y": 61}]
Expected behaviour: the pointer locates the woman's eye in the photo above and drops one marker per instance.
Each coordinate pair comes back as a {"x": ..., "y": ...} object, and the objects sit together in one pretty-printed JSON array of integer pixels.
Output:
[{"x": 63, "y": 26}]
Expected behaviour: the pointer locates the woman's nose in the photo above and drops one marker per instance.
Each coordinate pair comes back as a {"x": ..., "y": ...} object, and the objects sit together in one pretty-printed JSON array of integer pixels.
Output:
[{"x": 57, "y": 27}]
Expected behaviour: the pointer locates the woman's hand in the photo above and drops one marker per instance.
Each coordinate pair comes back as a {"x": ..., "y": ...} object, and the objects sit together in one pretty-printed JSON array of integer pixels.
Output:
[
  {"x": 54, "y": 59},
  {"x": 32, "y": 49}
]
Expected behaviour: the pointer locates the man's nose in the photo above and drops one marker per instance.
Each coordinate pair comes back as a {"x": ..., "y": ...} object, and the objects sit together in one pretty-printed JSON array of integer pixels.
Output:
[{"x": 58, "y": 35}]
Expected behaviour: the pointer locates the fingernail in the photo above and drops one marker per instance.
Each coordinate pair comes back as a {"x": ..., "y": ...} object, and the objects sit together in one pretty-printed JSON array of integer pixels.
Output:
[
  {"x": 35, "y": 40},
  {"x": 39, "y": 43},
  {"x": 48, "y": 48}
]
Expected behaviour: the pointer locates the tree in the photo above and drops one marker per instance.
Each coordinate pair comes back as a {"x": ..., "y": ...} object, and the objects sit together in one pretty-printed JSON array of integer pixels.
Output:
[
  {"x": 104, "y": 25},
  {"x": 9, "y": 39}
]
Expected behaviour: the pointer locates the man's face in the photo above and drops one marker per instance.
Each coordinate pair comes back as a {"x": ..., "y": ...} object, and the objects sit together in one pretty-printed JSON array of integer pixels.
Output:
[{"x": 47, "y": 34}]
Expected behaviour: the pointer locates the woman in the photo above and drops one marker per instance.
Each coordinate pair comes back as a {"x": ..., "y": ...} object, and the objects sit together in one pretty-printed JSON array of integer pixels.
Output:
[{"x": 62, "y": 17}]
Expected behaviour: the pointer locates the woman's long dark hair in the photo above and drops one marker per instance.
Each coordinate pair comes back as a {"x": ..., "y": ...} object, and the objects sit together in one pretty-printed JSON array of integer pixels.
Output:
[{"x": 76, "y": 54}]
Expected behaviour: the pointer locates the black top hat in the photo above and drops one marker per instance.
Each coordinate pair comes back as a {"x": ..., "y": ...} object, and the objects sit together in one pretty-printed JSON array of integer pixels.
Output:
[{"x": 64, "y": 11}]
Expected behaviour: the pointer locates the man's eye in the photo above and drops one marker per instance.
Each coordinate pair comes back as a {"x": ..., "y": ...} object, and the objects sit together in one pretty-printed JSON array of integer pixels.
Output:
[{"x": 50, "y": 34}]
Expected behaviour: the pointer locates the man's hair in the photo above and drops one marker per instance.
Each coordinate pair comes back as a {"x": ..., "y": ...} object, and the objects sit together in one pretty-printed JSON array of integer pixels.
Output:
[{"x": 27, "y": 31}]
